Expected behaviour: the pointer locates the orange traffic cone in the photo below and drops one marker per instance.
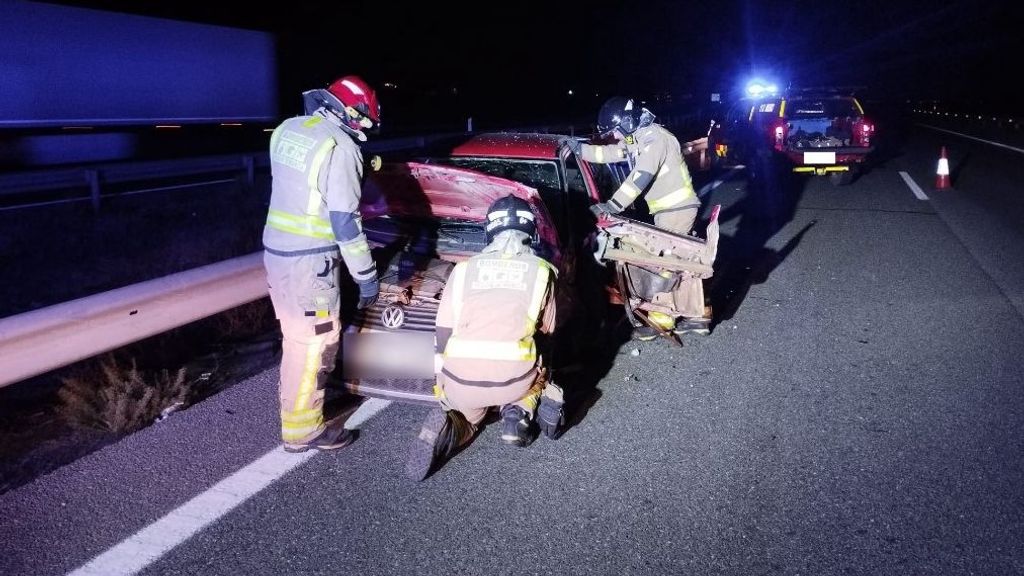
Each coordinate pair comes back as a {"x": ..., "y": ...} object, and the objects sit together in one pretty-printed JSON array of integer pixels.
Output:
[{"x": 942, "y": 172}]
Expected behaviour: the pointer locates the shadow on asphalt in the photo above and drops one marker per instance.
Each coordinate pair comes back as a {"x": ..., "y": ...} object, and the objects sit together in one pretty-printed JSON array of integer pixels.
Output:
[{"x": 744, "y": 258}]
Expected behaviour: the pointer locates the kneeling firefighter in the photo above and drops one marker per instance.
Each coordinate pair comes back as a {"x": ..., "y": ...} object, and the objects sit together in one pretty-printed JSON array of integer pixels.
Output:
[{"x": 491, "y": 308}]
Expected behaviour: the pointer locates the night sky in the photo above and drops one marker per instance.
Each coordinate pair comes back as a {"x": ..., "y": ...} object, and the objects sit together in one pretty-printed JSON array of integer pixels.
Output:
[{"x": 518, "y": 61}]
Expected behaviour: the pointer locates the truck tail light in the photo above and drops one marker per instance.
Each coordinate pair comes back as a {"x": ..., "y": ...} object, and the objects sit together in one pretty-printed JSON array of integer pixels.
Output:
[
  {"x": 779, "y": 136},
  {"x": 862, "y": 132}
]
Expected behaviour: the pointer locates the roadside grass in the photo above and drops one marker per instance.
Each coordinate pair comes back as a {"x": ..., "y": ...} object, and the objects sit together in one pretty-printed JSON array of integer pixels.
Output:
[
  {"x": 138, "y": 385},
  {"x": 119, "y": 398}
]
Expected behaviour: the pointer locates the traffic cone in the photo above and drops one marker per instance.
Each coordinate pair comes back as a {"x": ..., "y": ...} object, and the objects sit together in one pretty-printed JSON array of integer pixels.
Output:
[{"x": 942, "y": 172}]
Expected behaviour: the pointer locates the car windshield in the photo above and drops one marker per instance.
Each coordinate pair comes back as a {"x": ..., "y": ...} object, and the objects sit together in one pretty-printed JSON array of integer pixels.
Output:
[
  {"x": 539, "y": 174},
  {"x": 817, "y": 107}
]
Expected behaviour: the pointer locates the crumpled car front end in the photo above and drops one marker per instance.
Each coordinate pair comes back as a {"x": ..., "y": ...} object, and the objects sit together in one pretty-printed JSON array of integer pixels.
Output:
[{"x": 420, "y": 219}]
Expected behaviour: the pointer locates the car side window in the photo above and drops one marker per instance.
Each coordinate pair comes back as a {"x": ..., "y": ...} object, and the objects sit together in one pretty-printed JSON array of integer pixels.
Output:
[
  {"x": 607, "y": 179},
  {"x": 574, "y": 177}
]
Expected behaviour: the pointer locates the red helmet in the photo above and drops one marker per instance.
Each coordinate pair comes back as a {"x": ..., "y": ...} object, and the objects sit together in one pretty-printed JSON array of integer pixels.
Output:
[{"x": 359, "y": 100}]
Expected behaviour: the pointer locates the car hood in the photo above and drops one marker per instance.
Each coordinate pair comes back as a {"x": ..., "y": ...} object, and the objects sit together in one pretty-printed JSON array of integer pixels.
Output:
[{"x": 414, "y": 189}]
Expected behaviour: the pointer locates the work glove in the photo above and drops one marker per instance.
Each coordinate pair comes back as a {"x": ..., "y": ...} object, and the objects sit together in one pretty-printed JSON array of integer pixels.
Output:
[
  {"x": 368, "y": 292},
  {"x": 603, "y": 209}
]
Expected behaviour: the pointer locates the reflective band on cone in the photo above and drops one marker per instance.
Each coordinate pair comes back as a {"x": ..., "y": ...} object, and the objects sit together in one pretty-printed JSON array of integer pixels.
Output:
[{"x": 942, "y": 172}]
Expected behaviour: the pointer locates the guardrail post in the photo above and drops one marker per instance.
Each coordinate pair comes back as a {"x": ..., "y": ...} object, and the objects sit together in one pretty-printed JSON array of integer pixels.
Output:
[{"x": 93, "y": 178}]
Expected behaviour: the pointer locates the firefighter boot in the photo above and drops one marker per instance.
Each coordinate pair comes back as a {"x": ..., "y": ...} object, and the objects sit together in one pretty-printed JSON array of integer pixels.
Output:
[
  {"x": 334, "y": 436},
  {"x": 551, "y": 412},
  {"x": 644, "y": 333},
  {"x": 443, "y": 432},
  {"x": 515, "y": 425},
  {"x": 700, "y": 326}
]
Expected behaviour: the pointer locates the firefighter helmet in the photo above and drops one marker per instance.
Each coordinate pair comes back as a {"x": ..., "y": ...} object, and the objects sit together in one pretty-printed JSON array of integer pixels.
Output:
[
  {"x": 359, "y": 104},
  {"x": 510, "y": 213},
  {"x": 624, "y": 115},
  {"x": 618, "y": 113},
  {"x": 350, "y": 99}
]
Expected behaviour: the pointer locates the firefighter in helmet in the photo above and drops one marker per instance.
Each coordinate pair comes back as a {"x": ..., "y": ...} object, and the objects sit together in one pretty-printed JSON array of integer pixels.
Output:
[
  {"x": 492, "y": 306},
  {"x": 660, "y": 175},
  {"x": 313, "y": 225}
]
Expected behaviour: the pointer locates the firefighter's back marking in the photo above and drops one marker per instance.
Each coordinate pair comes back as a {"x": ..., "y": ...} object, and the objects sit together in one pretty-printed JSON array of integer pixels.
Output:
[
  {"x": 507, "y": 274},
  {"x": 292, "y": 149}
]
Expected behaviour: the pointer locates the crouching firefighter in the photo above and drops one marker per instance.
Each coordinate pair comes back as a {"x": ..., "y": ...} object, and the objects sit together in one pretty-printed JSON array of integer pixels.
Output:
[
  {"x": 314, "y": 219},
  {"x": 491, "y": 308},
  {"x": 660, "y": 175}
]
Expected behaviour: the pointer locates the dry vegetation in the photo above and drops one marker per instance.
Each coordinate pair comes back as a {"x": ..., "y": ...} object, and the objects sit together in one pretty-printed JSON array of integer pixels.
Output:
[
  {"x": 246, "y": 321},
  {"x": 118, "y": 397}
]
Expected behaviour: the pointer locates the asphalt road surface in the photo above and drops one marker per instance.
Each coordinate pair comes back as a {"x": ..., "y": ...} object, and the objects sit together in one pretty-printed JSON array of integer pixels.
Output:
[{"x": 857, "y": 409}]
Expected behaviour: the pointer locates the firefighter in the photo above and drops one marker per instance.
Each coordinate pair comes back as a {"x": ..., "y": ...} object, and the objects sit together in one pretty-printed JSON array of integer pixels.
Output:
[
  {"x": 491, "y": 308},
  {"x": 314, "y": 223},
  {"x": 659, "y": 174}
]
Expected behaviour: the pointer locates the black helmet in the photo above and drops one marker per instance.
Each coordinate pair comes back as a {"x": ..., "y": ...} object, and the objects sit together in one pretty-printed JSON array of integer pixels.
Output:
[
  {"x": 621, "y": 113},
  {"x": 510, "y": 213},
  {"x": 626, "y": 114}
]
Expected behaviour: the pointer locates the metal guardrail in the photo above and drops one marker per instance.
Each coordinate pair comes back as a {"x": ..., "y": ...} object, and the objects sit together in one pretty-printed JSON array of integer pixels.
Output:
[
  {"x": 94, "y": 177},
  {"x": 36, "y": 342}
]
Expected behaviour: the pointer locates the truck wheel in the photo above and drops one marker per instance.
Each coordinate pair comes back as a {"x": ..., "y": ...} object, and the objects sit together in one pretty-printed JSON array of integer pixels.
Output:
[{"x": 760, "y": 167}]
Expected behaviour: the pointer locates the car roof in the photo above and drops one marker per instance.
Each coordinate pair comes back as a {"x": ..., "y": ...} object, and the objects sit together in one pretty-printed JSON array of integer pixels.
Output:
[{"x": 530, "y": 146}]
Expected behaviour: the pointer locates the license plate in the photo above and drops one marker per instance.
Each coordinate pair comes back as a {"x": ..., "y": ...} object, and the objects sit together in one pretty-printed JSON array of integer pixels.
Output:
[
  {"x": 819, "y": 157},
  {"x": 387, "y": 355}
]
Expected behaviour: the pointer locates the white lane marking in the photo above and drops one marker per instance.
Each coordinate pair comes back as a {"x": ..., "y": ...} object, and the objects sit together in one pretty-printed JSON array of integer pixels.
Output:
[
  {"x": 913, "y": 186},
  {"x": 366, "y": 410},
  {"x": 1008, "y": 147},
  {"x": 147, "y": 545},
  {"x": 705, "y": 189}
]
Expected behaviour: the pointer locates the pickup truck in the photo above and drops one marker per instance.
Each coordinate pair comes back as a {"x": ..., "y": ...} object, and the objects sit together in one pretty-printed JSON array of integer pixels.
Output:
[{"x": 820, "y": 133}]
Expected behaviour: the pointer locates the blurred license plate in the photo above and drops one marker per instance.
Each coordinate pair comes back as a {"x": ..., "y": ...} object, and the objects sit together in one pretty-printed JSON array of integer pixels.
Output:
[
  {"x": 819, "y": 157},
  {"x": 387, "y": 355}
]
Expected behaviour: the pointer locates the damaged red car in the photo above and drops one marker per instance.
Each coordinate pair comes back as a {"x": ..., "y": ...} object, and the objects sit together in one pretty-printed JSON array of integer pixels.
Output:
[{"x": 422, "y": 217}]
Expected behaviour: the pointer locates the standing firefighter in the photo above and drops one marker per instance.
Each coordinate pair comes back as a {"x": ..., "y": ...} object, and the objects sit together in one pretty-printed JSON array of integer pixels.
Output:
[
  {"x": 317, "y": 170},
  {"x": 490, "y": 309},
  {"x": 658, "y": 173}
]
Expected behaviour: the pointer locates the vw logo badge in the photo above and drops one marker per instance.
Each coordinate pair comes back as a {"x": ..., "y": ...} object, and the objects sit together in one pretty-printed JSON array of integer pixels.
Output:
[{"x": 393, "y": 317}]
